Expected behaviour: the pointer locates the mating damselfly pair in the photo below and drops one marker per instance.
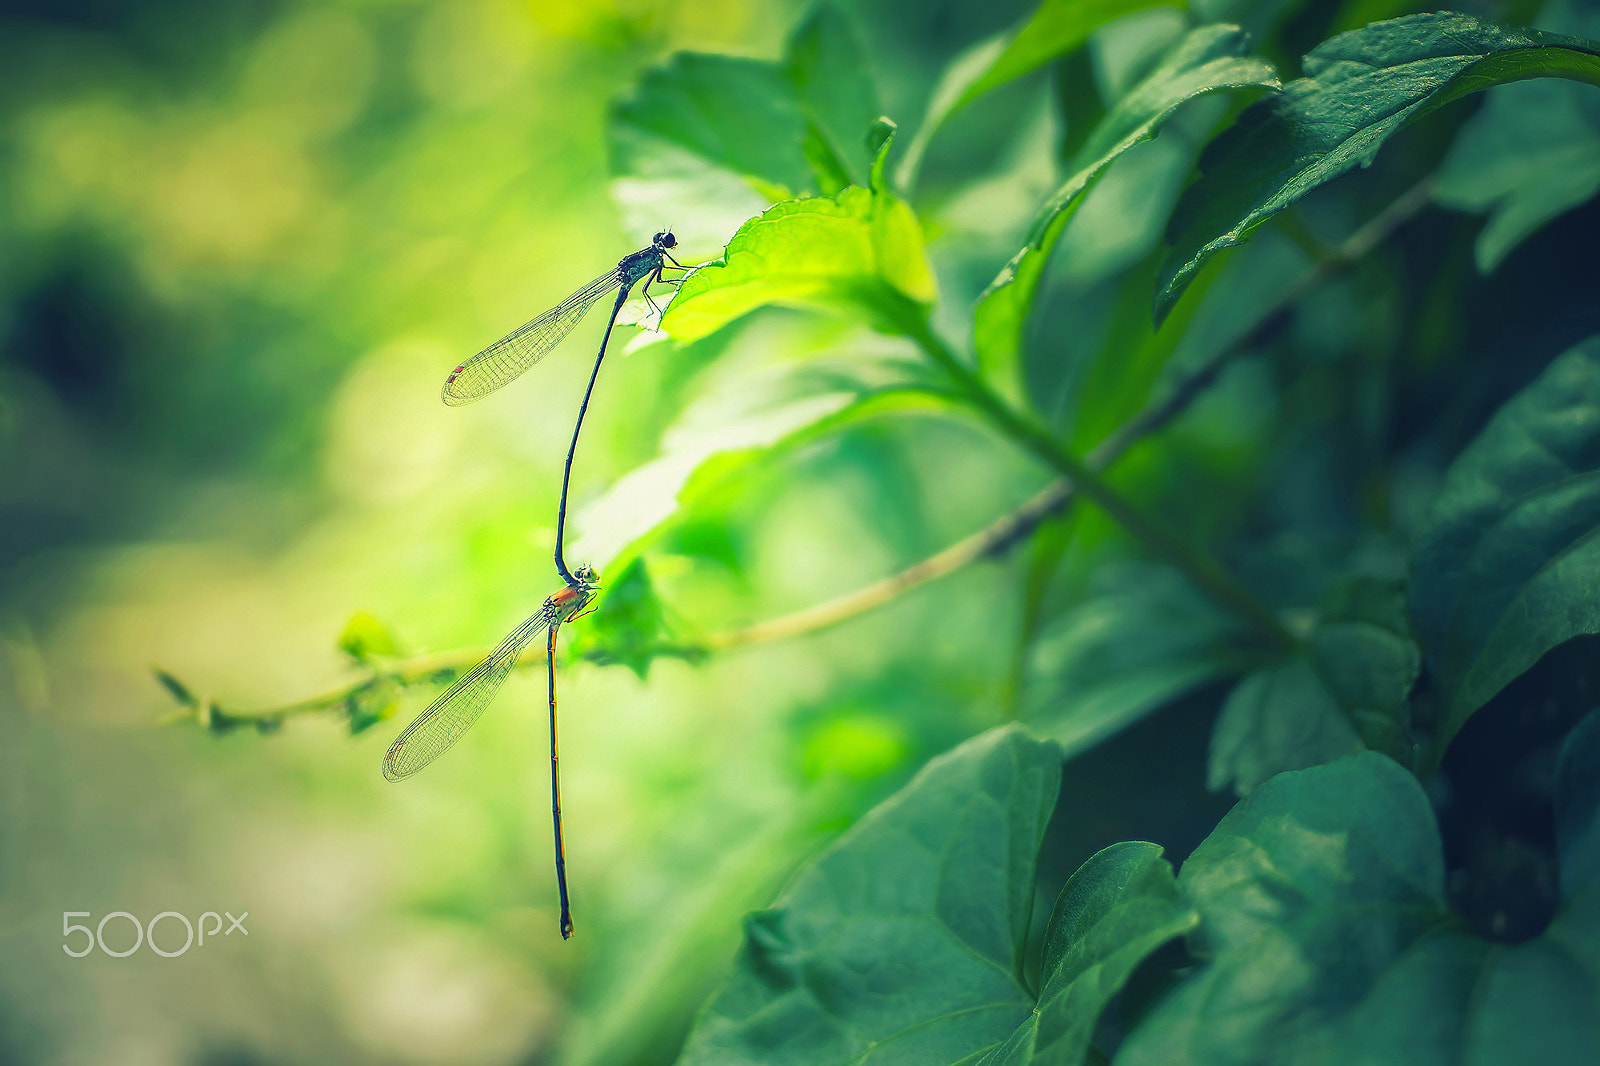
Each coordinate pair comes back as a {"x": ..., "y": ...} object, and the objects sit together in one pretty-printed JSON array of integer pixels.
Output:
[{"x": 453, "y": 713}]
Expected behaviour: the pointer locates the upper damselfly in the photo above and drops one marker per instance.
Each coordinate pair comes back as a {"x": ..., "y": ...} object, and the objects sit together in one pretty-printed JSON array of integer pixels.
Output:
[
  {"x": 511, "y": 355},
  {"x": 453, "y": 713}
]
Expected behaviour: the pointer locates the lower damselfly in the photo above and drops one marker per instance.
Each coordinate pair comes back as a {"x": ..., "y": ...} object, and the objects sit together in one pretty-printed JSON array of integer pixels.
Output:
[
  {"x": 453, "y": 713},
  {"x": 511, "y": 355}
]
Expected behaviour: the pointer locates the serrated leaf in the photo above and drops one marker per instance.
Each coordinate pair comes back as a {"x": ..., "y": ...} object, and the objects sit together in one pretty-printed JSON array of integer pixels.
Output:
[
  {"x": 903, "y": 941},
  {"x": 365, "y": 635},
  {"x": 1277, "y": 719},
  {"x": 1505, "y": 567},
  {"x": 1360, "y": 88},
  {"x": 1209, "y": 59},
  {"x": 1055, "y": 28},
  {"x": 1322, "y": 906},
  {"x": 828, "y": 69},
  {"x": 858, "y": 254},
  {"x": 1112, "y": 913},
  {"x": 1142, "y": 638}
]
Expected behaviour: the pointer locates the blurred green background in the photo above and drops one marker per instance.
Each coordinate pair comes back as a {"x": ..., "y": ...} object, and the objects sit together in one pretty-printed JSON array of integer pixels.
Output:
[{"x": 243, "y": 244}]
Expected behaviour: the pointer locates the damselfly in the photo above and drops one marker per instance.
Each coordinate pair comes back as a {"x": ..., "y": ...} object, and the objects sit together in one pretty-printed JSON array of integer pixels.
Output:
[
  {"x": 453, "y": 713},
  {"x": 507, "y": 358}
]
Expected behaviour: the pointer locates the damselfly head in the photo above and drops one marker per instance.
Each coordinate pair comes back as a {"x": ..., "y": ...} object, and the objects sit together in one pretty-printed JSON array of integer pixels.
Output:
[
  {"x": 665, "y": 239},
  {"x": 587, "y": 575}
]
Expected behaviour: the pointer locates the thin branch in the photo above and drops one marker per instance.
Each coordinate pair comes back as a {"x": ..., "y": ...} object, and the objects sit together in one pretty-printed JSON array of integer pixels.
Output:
[
  {"x": 1001, "y": 534},
  {"x": 993, "y": 540}
]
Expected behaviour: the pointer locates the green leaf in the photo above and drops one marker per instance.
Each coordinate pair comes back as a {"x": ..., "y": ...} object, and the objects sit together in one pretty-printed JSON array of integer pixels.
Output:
[
  {"x": 828, "y": 68},
  {"x": 365, "y": 636},
  {"x": 736, "y": 113},
  {"x": 1577, "y": 799},
  {"x": 1277, "y": 719},
  {"x": 1365, "y": 656},
  {"x": 1142, "y": 638},
  {"x": 1054, "y": 29},
  {"x": 723, "y": 435},
  {"x": 1505, "y": 567},
  {"x": 1308, "y": 890},
  {"x": 705, "y": 142},
  {"x": 1114, "y": 911},
  {"x": 1207, "y": 60},
  {"x": 1530, "y": 154},
  {"x": 1361, "y": 87},
  {"x": 903, "y": 941},
  {"x": 175, "y": 688},
  {"x": 1321, "y": 897},
  {"x": 630, "y": 625},
  {"x": 858, "y": 254}
]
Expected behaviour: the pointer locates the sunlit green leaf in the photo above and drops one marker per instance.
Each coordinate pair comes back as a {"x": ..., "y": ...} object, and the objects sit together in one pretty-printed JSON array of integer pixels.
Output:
[
  {"x": 721, "y": 436},
  {"x": 365, "y": 635},
  {"x": 1142, "y": 638},
  {"x": 1207, "y": 60},
  {"x": 1055, "y": 28},
  {"x": 1365, "y": 656},
  {"x": 1506, "y": 567},
  {"x": 830, "y": 74},
  {"x": 903, "y": 941},
  {"x": 1360, "y": 88},
  {"x": 858, "y": 254},
  {"x": 1114, "y": 911}
]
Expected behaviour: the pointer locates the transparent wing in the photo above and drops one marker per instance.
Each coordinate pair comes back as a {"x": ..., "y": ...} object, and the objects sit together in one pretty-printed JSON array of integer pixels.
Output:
[
  {"x": 453, "y": 713},
  {"x": 514, "y": 353}
]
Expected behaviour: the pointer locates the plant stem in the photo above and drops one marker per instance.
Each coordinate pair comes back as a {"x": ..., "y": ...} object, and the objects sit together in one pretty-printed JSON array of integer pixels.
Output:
[{"x": 1200, "y": 568}]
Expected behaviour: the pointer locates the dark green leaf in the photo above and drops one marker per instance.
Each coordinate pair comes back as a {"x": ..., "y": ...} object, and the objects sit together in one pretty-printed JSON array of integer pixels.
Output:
[
  {"x": 1308, "y": 891},
  {"x": 1364, "y": 654},
  {"x": 1114, "y": 911},
  {"x": 858, "y": 254},
  {"x": 1277, "y": 719},
  {"x": 1141, "y": 639},
  {"x": 1321, "y": 899},
  {"x": 630, "y": 625},
  {"x": 1361, "y": 87},
  {"x": 1578, "y": 807},
  {"x": 1532, "y": 153},
  {"x": 177, "y": 689},
  {"x": 829, "y": 71},
  {"x": 1207, "y": 60},
  {"x": 903, "y": 941},
  {"x": 1504, "y": 569},
  {"x": 1055, "y": 28}
]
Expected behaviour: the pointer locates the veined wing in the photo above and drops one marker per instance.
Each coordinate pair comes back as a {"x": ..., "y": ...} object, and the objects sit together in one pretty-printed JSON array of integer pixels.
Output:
[
  {"x": 514, "y": 353},
  {"x": 453, "y": 713}
]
